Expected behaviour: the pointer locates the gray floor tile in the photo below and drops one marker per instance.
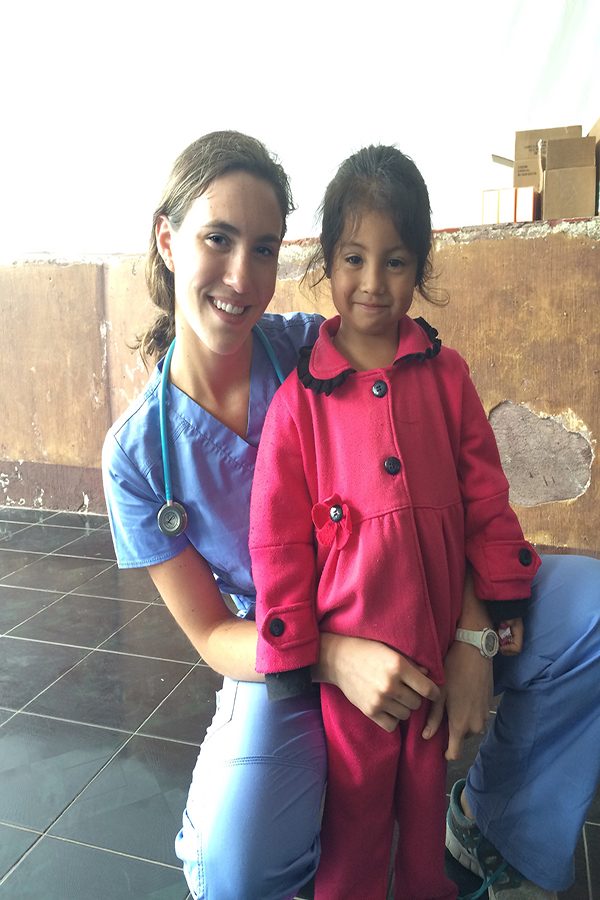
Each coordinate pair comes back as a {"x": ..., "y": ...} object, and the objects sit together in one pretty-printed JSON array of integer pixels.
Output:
[
  {"x": 90, "y": 522},
  {"x": 77, "y": 620},
  {"x": 8, "y": 529},
  {"x": 122, "y": 584},
  {"x": 60, "y": 870},
  {"x": 62, "y": 572},
  {"x": 42, "y": 538},
  {"x": 18, "y": 604},
  {"x": 13, "y": 844},
  {"x": 153, "y": 632},
  {"x": 24, "y": 514},
  {"x": 188, "y": 710},
  {"x": 45, "y": 763},
  {"x": 28, "y": 667},
  {"x": 136, "y": 803},
  {"x": 111, "y": 690},
  {"x": 14, "y": 561}
]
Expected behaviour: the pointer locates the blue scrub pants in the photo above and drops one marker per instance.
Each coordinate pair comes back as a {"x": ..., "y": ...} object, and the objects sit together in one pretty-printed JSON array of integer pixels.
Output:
[
  {"x": 251, "y": 826},
  {"x": 539, "y": 765}
]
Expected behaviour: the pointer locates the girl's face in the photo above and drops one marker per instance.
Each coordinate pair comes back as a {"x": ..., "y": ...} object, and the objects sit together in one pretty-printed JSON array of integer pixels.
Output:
[
  {"x": 373, "y": 277},
  {"x": 224, "y": 260}
]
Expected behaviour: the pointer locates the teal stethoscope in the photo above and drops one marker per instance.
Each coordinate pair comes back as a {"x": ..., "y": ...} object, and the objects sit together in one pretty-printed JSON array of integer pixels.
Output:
[{"x": 172, "y": 517}]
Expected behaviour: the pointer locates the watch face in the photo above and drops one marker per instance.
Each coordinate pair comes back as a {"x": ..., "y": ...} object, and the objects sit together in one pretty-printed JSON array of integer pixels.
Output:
[{"x": 490, "y": 643}]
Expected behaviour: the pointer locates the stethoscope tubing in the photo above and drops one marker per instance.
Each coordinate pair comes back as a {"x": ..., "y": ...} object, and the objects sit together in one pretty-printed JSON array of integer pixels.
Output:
[
  {"x": 270, "y": 352},
  {"x": 164, "y": 442},
  {"x": 162, "y": 415}
]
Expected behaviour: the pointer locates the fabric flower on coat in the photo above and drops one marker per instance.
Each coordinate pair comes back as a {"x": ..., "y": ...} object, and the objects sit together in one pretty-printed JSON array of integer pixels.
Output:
[{"x": 332, "y": 522}]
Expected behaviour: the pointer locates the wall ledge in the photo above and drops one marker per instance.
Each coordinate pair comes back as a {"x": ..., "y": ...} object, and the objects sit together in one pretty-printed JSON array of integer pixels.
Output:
[{"x": 575, "y": 228}]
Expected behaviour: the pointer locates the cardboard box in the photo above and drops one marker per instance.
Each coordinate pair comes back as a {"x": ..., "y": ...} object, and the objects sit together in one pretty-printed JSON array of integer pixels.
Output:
[
  {"x": 489, "y": 211},
  {"x": 570, "y": 153},
  {"x": 527, "y": 207},
  {"x": 526, "y": 142},
  {"x": 507, "y": 203},
  {"x": 526, "y": 167},
  {"x": 510, "y": 205},
  {"x": 526, "y": 173},
  {"x": 569, "y": 193},
  {"x": 595, "y": 133},
  {"x": 568, "y": 171}
]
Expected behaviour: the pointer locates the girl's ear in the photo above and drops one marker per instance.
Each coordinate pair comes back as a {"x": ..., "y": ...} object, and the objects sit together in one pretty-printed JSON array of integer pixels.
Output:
[{"x": 164, "y": 236}]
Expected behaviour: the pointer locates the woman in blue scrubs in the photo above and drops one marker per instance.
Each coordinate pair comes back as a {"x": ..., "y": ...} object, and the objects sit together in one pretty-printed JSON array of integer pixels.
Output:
[{"x": 251, "y": 825}]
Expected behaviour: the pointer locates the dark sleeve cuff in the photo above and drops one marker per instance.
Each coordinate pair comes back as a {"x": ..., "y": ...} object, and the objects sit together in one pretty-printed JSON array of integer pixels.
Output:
[
  {"x": 500, "y": 610},
  {"x": 282, "y": 685}
]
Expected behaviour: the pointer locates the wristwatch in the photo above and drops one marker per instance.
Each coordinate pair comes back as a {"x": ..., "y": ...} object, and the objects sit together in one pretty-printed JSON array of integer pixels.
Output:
[{"x": 486, "y": 641}]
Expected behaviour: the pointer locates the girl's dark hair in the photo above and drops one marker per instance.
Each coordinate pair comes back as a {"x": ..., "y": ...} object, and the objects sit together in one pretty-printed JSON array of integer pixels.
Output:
[
  {"x": 377, "y": 179},
  {"x": 210, "y": 157}
]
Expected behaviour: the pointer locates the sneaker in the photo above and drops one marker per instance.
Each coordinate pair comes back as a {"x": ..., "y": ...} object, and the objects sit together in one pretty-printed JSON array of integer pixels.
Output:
[{"x": 472, "y": 850}]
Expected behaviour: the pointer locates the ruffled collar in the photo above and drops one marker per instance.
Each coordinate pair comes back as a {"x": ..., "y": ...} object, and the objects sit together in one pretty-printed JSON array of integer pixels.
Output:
[{"x": 322, "y": 368}]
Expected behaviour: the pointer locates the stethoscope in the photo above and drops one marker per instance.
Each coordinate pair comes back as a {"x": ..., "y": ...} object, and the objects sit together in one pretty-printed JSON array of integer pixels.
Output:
[{"x": 172, "y": 517}]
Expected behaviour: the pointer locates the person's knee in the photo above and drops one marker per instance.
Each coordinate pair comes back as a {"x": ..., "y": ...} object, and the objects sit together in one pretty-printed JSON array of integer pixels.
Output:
[
  {"x": 255, "y": 866},
  {"x": 568, "y": 599},
  {"x": 253, "y": 832},
  {"x": 224, "y": 862}
]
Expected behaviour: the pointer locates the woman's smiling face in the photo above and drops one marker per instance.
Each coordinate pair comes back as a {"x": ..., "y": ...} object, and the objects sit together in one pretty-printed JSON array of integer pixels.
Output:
[{"x": 224, "y": 261}]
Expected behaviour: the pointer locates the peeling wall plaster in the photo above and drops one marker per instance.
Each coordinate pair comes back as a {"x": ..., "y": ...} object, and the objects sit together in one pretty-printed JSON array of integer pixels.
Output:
[{"x": 546, "y": 458}]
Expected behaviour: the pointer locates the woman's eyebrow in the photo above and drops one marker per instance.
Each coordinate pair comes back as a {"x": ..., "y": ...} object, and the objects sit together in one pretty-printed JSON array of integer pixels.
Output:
[{"x": 221, "y": 225}]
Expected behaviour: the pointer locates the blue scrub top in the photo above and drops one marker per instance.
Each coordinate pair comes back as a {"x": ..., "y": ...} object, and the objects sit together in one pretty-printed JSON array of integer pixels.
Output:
[{"x": 211, "y": 468}]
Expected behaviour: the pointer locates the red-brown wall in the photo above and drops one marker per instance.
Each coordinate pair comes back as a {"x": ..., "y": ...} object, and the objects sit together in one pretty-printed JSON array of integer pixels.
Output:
[{"x": 524, "y": 309}]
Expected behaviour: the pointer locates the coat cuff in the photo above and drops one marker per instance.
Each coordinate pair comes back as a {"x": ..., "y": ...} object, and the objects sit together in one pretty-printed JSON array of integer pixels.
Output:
[
  {"x": 503, "y": 570},
  {"x": 288, "y": 638}
]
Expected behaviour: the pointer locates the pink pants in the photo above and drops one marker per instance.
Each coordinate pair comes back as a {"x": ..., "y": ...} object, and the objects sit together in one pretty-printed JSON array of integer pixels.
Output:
[{"x": 375, "y": 778}]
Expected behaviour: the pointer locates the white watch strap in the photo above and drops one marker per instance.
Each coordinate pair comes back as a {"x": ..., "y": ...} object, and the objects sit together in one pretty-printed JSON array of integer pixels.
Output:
[
  {"x": 469, "y": 637},
  {"x": 479, "y": 639}
]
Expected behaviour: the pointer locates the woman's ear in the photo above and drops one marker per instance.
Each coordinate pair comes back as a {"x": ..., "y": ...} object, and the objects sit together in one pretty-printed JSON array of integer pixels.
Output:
[{"x": 164, "y": 236}]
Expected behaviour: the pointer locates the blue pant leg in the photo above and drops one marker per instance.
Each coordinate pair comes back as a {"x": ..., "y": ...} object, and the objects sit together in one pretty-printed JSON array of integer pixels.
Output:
[
  {"x": 252, "y": 821},
  {"x": 538, "y": 767}
]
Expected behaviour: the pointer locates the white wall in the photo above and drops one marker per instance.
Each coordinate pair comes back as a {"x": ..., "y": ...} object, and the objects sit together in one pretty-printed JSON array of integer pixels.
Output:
[{"x": 97, "y": 100}]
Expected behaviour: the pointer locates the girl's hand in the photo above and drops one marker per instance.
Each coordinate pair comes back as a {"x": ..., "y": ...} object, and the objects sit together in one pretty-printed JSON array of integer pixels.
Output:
[
  {"x": 468, "y": 690},
  {"x": 466, "y": 696},
  {"x": 510, "y": 634},
  {"x": 382, "y": 683}
]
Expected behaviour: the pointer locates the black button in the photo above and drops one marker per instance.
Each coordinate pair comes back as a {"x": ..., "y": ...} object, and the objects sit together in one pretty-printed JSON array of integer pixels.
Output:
[
  {"x": 525, "y": 557},
  {"x": 276, "y": 627},
  {"x": 336, "y": 513},
  {"x": 380, "y": 389},
  {"x": 392, "y": 465}
]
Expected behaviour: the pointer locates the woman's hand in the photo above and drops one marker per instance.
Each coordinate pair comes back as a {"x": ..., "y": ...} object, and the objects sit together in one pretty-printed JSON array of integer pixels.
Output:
[
  {"x": 511, "y": 643},
  {"x": 380, "y": 682},
  {"x": 466, "y": 696}
]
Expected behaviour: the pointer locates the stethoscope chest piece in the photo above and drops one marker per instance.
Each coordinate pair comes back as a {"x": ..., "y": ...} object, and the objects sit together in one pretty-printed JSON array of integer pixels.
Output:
[{"x": 172, "y": 518}]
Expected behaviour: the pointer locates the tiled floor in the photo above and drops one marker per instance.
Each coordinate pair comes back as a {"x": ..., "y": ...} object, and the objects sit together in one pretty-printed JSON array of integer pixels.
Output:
[{"x": 103, "y": 704}]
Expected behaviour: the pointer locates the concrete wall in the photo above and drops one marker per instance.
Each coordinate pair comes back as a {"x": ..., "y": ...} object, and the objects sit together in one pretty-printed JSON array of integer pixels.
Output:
[{"x": 524, "y": 309}]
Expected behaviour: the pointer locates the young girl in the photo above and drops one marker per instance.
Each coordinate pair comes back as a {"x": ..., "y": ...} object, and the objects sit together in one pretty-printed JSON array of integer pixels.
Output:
[{"x": 377, "y": 476}]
